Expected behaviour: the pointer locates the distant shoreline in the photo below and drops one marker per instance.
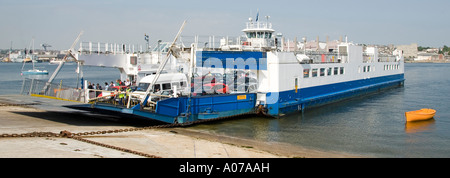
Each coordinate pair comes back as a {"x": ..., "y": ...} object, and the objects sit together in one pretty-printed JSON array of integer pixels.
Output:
[{"x": 429, "y": 61}]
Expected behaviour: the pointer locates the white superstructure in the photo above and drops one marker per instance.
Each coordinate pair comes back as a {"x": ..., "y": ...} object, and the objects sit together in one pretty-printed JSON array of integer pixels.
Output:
[{"x": 132, "y": 64}]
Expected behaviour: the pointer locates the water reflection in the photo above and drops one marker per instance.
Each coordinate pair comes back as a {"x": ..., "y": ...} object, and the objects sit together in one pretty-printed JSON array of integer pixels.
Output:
[
  {"x": 420, "y": 126},
  {"x": 39, "y": 77}
]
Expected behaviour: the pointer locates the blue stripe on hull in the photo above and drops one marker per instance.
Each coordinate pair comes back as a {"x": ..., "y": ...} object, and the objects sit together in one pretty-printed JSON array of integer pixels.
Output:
[{"x": 289, "y": 101}]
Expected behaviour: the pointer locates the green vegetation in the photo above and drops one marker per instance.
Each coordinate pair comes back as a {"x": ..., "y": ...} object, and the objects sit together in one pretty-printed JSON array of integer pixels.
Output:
[
  {"x": 443, "y": 50},
  {"x": 420, "y": 48}
]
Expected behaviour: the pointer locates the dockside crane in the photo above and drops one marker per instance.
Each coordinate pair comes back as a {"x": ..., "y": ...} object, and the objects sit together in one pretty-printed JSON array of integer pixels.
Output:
[{"x": 45, "y": 46}]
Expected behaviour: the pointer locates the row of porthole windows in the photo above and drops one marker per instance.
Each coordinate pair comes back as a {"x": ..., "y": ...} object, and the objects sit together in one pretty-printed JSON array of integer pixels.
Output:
[
  {"x": 372, "y": 68},
  {"x": 391, "y": 67},
  {"x": 323, "y": 72},
  {"x": 366, "y": 69}
]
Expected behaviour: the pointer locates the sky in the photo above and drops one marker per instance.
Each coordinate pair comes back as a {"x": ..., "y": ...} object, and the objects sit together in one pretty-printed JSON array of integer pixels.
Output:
[{"x": 58, "y": 22}]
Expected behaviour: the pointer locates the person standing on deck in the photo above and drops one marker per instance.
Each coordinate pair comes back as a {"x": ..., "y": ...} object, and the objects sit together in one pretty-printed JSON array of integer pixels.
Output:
[{"x": 106, "y": 86}]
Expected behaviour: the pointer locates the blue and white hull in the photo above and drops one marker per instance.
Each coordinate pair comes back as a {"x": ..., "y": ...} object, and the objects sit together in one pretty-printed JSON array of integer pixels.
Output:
[
  {"x": 291, "y": 101},
  {"x": 293, "y": 86}
]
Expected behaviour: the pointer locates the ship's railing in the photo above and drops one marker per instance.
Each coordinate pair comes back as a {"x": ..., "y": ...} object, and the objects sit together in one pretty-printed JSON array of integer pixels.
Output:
[
  {"x": 259, "y": 25},
  {"x": 370, "y": 58},
  {"x": 387, "y": 58},
  {"x": 53, "y": 90},
  {"x": 117, "y": 98},
  {"x": 210, "y": 42},
  {"x": 318, "y": 57},
  {"x": 109, "y": 48}
]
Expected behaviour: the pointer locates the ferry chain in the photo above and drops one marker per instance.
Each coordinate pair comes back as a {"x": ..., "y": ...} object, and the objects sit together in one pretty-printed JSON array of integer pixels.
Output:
[
  {"x": 23, "y": 105},
  {"x": 78, "y": 136}
]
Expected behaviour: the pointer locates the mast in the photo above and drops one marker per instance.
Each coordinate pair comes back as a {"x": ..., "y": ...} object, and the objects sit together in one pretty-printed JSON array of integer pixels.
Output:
[
  {"x": 161, "y": 66},
  {"x": 61, "y": 64}
]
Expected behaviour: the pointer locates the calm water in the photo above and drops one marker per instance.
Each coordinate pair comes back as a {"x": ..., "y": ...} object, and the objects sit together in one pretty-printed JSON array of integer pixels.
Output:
[
  {"x": 11, "y": 80},
  {"x": 372, "y": 126}
]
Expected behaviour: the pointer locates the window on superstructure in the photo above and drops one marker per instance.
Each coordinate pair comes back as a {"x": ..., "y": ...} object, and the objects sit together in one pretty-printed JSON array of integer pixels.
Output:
[
  {"x": 341, "y": 71},
  {"x": 314, "y": 73},
  {"x": 183, "y": 84},
  {"x": 305, "y": 73},
  {"x": 166, "y": 86},
  {"x": 156, "y": 87},
  {"x": 251, "y": 34},
  {"x": 330, "y": 69},
  {"x": 368, "y": 69},
  {"x": 322, "y": 72},
  {"x": 259, "y": 35},
  {"x": 336, "y": 71}
]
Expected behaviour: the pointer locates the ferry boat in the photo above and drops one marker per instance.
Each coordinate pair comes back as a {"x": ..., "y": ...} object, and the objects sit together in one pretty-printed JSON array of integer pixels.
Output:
[{"x": 286, "y": 77}]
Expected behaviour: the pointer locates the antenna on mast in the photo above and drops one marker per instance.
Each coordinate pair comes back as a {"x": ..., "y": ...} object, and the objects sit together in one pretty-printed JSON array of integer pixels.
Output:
[{"x": 161, "y": 66}]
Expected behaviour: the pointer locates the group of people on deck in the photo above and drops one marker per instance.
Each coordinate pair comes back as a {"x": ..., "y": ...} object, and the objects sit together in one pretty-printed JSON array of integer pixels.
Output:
[
  {"x": 119, "y": 87},
  {"x": 107, "y": 86}
]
